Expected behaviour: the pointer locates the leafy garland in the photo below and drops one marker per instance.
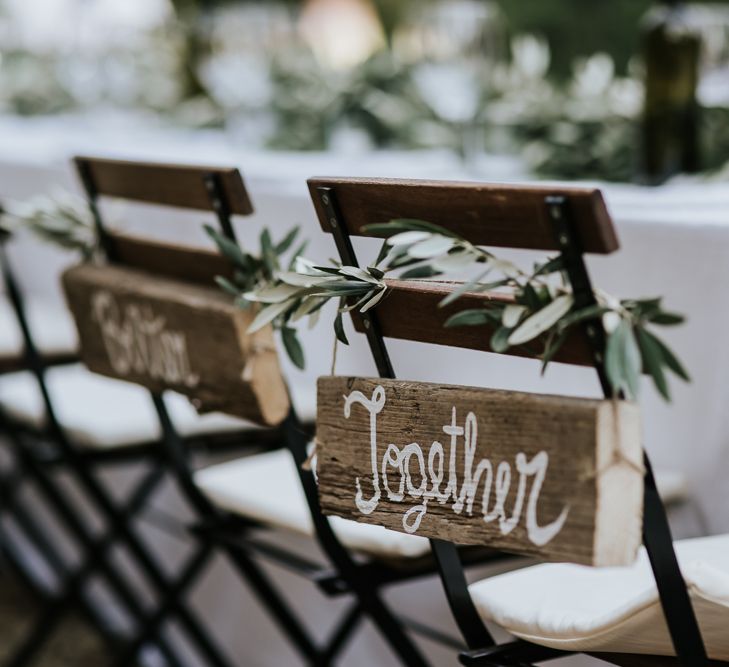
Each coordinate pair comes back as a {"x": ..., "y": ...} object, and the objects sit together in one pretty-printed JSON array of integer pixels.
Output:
[{"x": 542, "y": 314}]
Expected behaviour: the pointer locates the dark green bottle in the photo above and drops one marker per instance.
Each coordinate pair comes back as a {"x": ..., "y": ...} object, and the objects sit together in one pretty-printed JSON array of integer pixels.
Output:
[{"x": 671, "y": 52}]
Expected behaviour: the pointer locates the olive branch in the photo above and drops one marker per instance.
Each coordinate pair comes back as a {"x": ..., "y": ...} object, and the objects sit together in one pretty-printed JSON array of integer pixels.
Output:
[
  {"x": 260, "y": 274},
  {"x": 61, "y": 218},
  {"x": 285, "y": 297},
  {"x": 543, "y": 310},
  {"x": 541, "y": 316}
]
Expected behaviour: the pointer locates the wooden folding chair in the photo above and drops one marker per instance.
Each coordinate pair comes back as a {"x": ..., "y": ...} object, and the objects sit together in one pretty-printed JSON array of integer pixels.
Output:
[
  {"x": 552, "y": 477},
  {"x": 81, "y": 445},
  {"x": 238, "y": 500}
]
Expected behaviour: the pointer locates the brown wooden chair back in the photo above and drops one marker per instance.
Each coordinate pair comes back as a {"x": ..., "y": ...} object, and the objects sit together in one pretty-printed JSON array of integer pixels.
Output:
[
  {"x": 154, "y": 316},
  {"x": 505, "y": 216}
]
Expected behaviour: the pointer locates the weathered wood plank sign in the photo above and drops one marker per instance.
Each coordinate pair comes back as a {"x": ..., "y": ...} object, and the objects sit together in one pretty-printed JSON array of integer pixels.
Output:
[
  {"x": 559, "y": 478},
  {"x": 169, "y": 334}
]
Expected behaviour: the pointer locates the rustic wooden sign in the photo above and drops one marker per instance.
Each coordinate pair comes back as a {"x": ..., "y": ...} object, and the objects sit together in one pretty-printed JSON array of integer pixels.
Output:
[
  {"x": 169, "y": 334},
  {"x": 554, "y": 477}
]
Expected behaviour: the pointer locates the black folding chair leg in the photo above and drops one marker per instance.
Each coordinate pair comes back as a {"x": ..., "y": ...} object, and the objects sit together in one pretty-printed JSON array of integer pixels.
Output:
[
  {"x": 340, "y": 635},
  {"x": 74, "y": 588},
  {"x": 674, "y": 596},
  {"x": 177, "y": 457},
  {"x": 514, "y": 654},
  {"x": 12, "y": 560},
  {"x": 80, "y": 469},
  {"x": 57, "y": 500},
  {"x": 37, "y": 537},
  {"x": 170, "y": 602},
  {"x": 391, "y": 629},
  {"x": 270, "y": 599},
  {"x": 15, "y": 514},
  {"x": 151, "y": 568}
]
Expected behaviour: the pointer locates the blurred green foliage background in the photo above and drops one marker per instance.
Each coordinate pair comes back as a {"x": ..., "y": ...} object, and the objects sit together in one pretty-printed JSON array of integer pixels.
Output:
[
  {"x": 580, "y": 27},
  {"x": 573, "y": 28}
]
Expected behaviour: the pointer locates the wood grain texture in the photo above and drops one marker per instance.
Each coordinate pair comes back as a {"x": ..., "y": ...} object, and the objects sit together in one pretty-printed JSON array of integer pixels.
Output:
[
  {"x": 194, "y": 265},
  {"x": 508, "y": 216},
  {"x": 165, "y": 334},
  {"x": 175, "y": 185},
  {"x": 587, "y": 452},
  {"x": 410, "y": 311}
]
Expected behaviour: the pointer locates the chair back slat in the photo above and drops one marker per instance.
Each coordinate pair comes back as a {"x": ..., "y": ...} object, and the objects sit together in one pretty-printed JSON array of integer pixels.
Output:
[
  {"x": 195, "y": 265},
  {"x": 411, "y": 311},
  {"x": 548, "y": 476},
  {"x": 507, "y": 216},
  {"x": 180, "y": 186}
]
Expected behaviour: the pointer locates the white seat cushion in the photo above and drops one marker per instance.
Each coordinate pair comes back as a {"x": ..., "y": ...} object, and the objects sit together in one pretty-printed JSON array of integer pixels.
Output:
[
  {"x": 573, "y": 607},
  {"x": 266, "y": 488},
  {"x": 102, "y": 413},
  {"x": 51, "y": 326}
]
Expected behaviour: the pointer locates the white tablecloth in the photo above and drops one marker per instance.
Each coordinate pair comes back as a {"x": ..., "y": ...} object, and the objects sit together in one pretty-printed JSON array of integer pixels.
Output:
[{"x": 674, "y": 242}]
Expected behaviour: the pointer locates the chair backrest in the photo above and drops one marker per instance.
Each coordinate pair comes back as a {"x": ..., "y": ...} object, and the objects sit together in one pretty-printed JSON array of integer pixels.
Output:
[
  {"x": 488, "y": 215},
  {"x": 556, "y": 477},
  {"x": 180, "y": 186},
  {"x": 506, "y": 216},
  {"x": 154, "y": 315}
]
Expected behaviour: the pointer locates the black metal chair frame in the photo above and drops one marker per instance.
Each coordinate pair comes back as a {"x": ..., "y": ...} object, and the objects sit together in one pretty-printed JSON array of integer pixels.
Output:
[
  {"x": 118, "y": 518},
  {"x": 11, "y": 505},
  {"x": 25, "y": 450},
  {"x": 674, "y": 597},
  {"x": 28, "y": 464},
  {"x": 231, "y": 533}
]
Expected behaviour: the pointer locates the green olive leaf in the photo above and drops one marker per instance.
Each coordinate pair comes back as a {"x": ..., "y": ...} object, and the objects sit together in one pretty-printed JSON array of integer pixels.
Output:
[{"x": 293, "y": 347}]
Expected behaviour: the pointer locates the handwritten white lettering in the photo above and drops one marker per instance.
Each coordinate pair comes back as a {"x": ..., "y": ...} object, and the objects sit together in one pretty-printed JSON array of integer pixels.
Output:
[
  {"x": 402, "y": 473},
  {"x": 137, "y": 342}
]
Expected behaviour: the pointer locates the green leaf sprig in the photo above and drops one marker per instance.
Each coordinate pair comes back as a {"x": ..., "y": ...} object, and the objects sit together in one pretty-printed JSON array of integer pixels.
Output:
[
  {"x": 257, "y": 278},
  {"x": 306, "y": 287},
  {"x": 543, "y": 309},
  {"x": 303, "y": 290},
  {"x": 61, "y": 218},
  {"x": 413, "y": 249}
]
